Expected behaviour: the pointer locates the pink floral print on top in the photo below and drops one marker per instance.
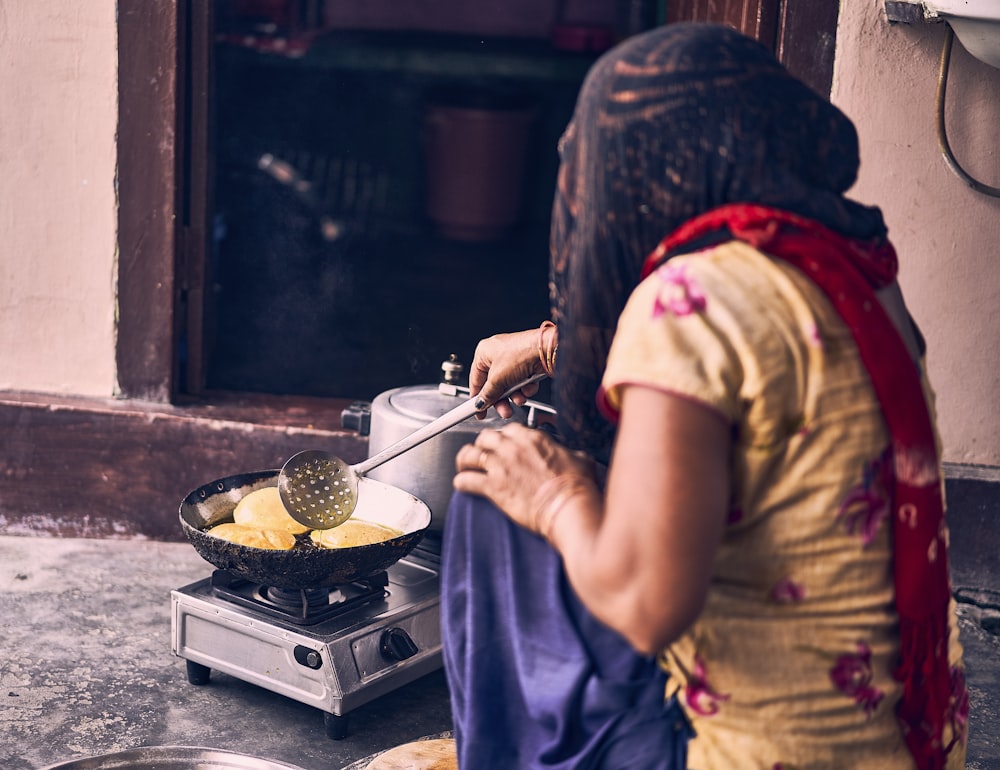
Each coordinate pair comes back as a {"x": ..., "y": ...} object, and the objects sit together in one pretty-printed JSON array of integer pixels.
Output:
[
  {"x": 700, "y": 696},
  {"x": 867, "y": 505},
  {"x": 852, "y": 675},
  {"x": 786, "y": 591},
  {"x": 814, "y": 336},
  {"x": 680, "y": 293},
  {"x": 959, "y": 704}
]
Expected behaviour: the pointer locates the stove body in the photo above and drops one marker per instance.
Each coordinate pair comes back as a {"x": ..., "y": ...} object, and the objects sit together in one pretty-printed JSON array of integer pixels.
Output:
[{"x": 335, "y": 649}]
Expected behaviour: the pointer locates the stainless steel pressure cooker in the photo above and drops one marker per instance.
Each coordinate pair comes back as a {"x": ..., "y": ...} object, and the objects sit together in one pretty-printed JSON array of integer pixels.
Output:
[{"x": 426, "y": 471}]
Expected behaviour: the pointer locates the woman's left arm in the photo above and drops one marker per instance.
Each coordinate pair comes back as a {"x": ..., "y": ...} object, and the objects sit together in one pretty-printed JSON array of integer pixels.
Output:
[
  {"x": 641, "y": 556},
  {"x": 644, "y": 566}
]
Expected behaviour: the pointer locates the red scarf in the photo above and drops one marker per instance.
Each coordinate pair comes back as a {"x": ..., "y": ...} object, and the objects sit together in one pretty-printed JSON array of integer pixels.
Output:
[{"x": 848, "y": 272}]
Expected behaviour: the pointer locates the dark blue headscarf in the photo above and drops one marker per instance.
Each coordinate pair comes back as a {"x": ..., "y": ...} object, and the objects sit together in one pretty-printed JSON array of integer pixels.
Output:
[{"x": 668, "y": 125}]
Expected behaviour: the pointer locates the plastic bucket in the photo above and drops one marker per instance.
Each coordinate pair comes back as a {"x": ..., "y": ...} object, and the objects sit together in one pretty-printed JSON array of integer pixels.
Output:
[{"x": 475, "y": 159}]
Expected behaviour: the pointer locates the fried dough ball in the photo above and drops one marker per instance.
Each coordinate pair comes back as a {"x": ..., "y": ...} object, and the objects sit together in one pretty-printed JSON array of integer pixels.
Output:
[
  {"x": 353, "y": 532},
  {"x": 263, "y": 509},
  {"x": 254, "y": 537}
]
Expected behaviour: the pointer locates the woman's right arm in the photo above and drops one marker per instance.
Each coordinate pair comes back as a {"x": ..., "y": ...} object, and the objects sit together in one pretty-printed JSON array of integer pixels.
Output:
[{"x": 503, "y": 360}]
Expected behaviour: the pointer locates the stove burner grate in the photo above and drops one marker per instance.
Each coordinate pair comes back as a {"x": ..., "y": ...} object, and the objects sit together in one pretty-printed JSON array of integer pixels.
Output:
[
  {"x": 304, "y": 607},
  {"x": 300, "y": 601}
]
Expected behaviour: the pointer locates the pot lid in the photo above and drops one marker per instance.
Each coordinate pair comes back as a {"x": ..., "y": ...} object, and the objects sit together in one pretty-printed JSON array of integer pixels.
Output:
[{"x": 428, "y": 402}]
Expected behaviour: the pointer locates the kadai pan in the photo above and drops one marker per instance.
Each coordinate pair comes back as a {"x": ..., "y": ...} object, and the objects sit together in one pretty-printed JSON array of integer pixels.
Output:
[{"x": 302, "y": 566}]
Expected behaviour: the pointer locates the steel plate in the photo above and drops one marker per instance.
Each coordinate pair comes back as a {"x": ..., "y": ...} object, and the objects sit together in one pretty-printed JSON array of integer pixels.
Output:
[{"x": 172, "y": 758}]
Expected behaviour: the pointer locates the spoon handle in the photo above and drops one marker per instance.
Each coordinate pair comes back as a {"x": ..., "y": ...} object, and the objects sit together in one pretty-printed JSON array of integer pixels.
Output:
[{"x": 449, "y": 419}]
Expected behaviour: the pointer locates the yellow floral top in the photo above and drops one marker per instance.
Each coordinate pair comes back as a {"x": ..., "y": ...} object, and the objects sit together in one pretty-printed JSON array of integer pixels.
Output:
[{"x": 790, "y": 664}]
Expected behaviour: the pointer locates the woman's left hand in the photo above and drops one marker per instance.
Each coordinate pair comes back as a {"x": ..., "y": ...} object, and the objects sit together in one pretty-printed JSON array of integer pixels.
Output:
[{"x": 511, "y": 465}]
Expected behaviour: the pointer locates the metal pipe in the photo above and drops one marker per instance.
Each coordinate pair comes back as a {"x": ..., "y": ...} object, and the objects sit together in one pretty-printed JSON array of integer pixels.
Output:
[{"x": 942, "y": 134}]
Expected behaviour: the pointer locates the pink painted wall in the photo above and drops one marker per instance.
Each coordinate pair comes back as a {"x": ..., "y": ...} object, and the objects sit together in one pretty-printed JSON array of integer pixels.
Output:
[
  {"x": 58, "y": 113},
  {"x": 946, "y": 234}
]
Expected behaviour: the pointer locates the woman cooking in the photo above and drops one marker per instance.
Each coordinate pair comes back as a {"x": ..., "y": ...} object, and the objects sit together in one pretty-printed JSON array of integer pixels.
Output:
[{"x": 730, "y": 340}]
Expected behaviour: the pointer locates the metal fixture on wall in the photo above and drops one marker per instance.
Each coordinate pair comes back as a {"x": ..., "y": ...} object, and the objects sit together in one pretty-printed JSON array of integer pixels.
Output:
[
  {"x": 977, "y": 25},
  {"x": 942, "y": 134}
]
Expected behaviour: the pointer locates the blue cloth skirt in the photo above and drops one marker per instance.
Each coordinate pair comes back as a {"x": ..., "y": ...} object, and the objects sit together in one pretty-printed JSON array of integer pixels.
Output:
[{"x": 536, "y": 681}]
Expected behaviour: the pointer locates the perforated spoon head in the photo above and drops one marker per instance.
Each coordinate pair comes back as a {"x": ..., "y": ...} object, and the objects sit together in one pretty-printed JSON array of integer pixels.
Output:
[{"x": 319, "y": 490}]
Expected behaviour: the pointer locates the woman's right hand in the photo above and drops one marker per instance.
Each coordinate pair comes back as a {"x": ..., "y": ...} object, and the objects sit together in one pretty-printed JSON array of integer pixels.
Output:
[{"x": 500, "y": 362}]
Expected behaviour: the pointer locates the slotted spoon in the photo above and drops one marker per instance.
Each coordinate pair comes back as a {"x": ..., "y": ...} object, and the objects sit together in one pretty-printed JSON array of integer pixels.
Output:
[{"x": 320, "y": 490}]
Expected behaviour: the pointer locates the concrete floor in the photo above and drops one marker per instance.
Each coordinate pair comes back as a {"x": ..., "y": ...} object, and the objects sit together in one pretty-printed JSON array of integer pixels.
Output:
[{"x": 86, "y": 668}]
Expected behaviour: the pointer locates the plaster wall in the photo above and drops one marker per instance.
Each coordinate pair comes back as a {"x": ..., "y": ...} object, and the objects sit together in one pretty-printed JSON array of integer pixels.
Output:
[
  {"x": 947, "y": 235},
  {"x": 58, "y": 115}
]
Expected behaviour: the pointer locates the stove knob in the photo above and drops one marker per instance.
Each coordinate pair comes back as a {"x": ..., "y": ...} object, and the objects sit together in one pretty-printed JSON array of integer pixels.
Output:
[
  {"x": 307, "y": 657},
  {"x": 396, "y": 644}
]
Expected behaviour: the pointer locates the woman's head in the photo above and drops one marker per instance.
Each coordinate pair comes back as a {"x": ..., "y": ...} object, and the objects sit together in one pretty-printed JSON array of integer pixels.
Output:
[{"x": 668, "y": 125}]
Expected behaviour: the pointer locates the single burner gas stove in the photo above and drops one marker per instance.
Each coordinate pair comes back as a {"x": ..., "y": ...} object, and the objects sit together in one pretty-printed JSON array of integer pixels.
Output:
[{"x": 333, "y": 648}]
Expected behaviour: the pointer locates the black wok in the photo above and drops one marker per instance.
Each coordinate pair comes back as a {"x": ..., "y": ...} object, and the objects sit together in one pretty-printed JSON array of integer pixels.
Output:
[{"x": 302, "y": 567}]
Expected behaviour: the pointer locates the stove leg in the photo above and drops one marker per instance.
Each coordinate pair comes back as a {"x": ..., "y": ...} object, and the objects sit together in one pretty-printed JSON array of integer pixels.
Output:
[
  {"x": 197, "y": 673},
  {"x": 336, "y": 726}
]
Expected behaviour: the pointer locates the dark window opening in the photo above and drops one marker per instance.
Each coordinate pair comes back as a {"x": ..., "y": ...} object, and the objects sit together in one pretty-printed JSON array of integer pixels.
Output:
[{"x": 276, "y": 230}]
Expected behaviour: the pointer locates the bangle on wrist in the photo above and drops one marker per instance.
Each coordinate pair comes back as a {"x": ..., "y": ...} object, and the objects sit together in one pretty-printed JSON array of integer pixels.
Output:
[
  {"x": 551, "y": 498},
  {"x": 548, "y": 345}
]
